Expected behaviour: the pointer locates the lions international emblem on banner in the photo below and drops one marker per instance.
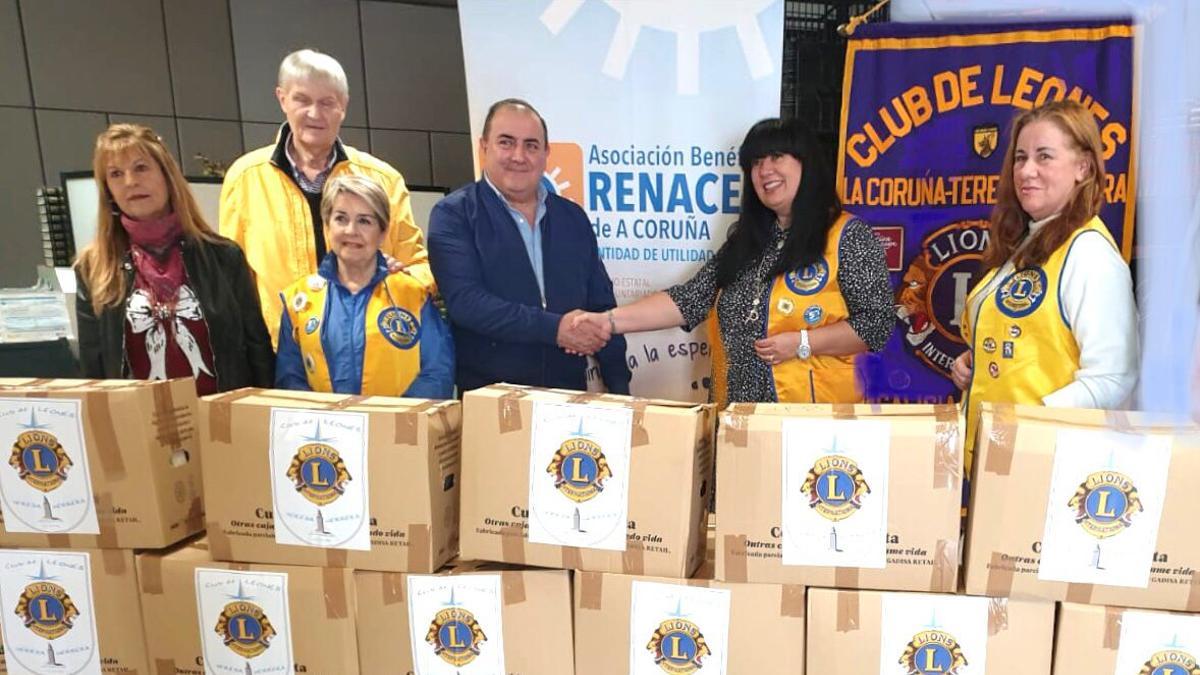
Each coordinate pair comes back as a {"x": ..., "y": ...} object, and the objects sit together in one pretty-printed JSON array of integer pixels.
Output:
[
  {"x": 835, "y": 487},
  {"x": 808, "y": 279},
  {"x": 455, "y": 636},
  {"x": 1022, "y": 292},
  {"x": 319, "y": 473},
  {"x": 40, "y": 459},
  {"x": 579, "y": 469},
  {"x": 984, "y": 139},
  {"x": 1170, "y": 662},
  {"x": 1105, "y": 504},
  {"x": 933, "y": 292},
  {"x": 47, "y": 610},
  {"x": 933, "y": 651},
  {"x": 245, "y": 628},
  {"x": 678, "y": 646},
  {"x": 400, "y": 327}
]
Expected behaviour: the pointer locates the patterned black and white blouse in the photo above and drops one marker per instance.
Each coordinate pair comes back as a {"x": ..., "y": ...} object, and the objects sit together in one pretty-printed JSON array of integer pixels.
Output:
[{"x": 862, "y": 275}]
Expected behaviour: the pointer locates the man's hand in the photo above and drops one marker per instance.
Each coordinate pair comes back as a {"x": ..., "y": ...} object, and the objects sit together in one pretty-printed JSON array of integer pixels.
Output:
[
  {"x": 583, "y": 333},
  {"x": 960, "y": 372}
]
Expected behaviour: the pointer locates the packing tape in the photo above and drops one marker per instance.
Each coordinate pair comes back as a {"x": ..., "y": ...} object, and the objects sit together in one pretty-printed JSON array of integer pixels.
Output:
[
  {"x": 164, "y": 415},
  {"x": 164, "y": 667},
  {"x": 513, "y": 587},
  {"x": 1193, "y": 602},
  {"x": 1000, "y": 577},
  {"x": 997, "y": 615},
  {"x": 508, "y": 411},
  {"x": 1079, "y": 593},
  {"x": 791, "y": 601},
  {"x": 572, "y": 558},
  {"x": 733, "y": 551},
  {"x": 104, "y": 435},
  {"x": 392, "y": 590},
  {"x": 218, "y": 542},
  {"x": 699, "y": 583},
  {"x": 194, "y": 521},
  {"x": 584, "y": 397},
  {"x": 351, "y": 400},
  {"x": 151, "y": 574},
  {"x": 843, "y": 411},
  {"x": 58, "y": 541},
  {"x": 846, "y": 577},
  {"x": 336, "y": 557},
  {"x": 1119, "y": 420},
  {"x": 641, "y": 435},
  {"x": 947, "y": 460},
  {"x": 591, "y": 589},
  {"x": 333, "y": 585},
  {"x": 736, "y": 427},
  {"x": 633, "y": 560},
  {"x": 512, "y": 544},
  {"x": 847, "y": 611},
  {"x": 408, "y": 423},
  {"x": 220, "y": 413},
  {"x": 239, "y": 566},
  {"x": 1001, "y": 439},
  {"x": 420, "y": 546},
  {"x": 1112, "y": 627},
  {"x": 106, "y": 520},
  {"x": 945, "y": 566},
  {"x": 114, "y": 561}
]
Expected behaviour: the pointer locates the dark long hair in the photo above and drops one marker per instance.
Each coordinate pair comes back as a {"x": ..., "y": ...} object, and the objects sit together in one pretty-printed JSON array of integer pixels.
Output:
[{"x": 814, "y": 209}]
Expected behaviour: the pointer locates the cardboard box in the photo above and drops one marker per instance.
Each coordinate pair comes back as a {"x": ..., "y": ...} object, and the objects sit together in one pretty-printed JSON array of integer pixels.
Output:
[
  {"x": 1010, "y": 503},
  {"x": 765, "y": 625},
  {"x": 846, "y": 634},
  {"x": 923, "y": 498},
  {"x": 1092, "y": 638},
  {"x": 142, "y": 457},
  {"x": 708, "y": 568},
  {"x": 536, "y": 619},
  {"x": 413, "y": 460},
  {"x": 118, "y": 614},
  {"x": 321, "y": 612},
  {"x": 668, "y": 481}
]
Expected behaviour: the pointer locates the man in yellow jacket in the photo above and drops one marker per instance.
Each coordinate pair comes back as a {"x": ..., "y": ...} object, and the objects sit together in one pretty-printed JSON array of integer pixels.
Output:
[{"x": 270, "y": 200}]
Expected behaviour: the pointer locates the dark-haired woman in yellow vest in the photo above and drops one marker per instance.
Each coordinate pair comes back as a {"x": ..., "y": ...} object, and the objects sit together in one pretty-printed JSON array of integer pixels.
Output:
[
  {"x": 352, "y": 328},
  {"x": 796, "y": 292},
  {"x": 1052, "y": 321}
]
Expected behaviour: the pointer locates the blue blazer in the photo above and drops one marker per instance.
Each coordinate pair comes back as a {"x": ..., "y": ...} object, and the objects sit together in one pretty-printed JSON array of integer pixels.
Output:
[{"x": 501, "y": 331}]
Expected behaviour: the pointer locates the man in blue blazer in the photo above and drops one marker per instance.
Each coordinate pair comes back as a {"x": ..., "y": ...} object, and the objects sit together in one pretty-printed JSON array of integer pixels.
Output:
[{"x": 515, "y": 264}]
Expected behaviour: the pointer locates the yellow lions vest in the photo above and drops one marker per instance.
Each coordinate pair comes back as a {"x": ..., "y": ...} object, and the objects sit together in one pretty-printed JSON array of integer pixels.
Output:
[
  {"x": 392, "y": 355},
  {"x": 809, "y": 297},
  {"x": 1022, "y": 343}
]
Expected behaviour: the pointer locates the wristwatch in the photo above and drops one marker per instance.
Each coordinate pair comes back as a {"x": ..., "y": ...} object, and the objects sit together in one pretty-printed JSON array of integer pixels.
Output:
[{"x": 804, "y": 350}]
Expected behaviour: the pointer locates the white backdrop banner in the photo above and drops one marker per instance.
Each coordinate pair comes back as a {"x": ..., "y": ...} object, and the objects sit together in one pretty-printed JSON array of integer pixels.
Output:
[{"x": 646, "y": 103}]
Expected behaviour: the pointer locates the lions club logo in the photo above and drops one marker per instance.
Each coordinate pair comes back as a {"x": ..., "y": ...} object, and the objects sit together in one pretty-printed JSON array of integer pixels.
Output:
[
  {"x": 933, "y": 651},
  {"x": 399, "y": 327},
  {"x": 455, "y": 636},
  {"x": 47, "y": 610},
  {"x": 1170, "y": 662},
  {"x": 1022, "y": 292},
  {"x": 579, "y": 469},
  {"x": 318, "y": 472},
  {"x": 678, "y": 646},
  {"x": 933, "y": 292},
  {"x": 1105, "y": 504},
  {"x": 808, "y": 279},
  {"x": 40, "y": 459},
  {"x": 245, "y": 628},
  {"x": 835, "y": 487}
]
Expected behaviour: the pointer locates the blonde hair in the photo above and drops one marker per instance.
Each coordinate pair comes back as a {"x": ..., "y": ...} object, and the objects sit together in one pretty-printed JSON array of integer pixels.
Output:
[
  {"x": 306, "y": 65},
  {"x": 101, "y": 262},
  {"x": 362, "y": 187},
  {"x": 1009, "y": 222}
]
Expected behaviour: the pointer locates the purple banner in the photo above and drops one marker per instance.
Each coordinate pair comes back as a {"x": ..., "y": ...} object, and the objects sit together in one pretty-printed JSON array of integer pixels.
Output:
[{"x": 925, "y": 118}]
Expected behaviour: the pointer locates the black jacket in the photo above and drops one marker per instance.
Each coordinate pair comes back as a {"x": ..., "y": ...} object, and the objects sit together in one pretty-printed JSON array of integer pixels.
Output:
[{"x": 218, "y": 273}]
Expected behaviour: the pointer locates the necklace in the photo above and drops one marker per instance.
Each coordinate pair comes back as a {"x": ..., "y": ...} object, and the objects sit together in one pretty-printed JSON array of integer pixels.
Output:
[{"x": 760, "y": 283}]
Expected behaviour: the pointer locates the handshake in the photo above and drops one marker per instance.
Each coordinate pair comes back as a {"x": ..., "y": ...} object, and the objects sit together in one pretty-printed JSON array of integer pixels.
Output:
[{"x": 584, "y": 333}]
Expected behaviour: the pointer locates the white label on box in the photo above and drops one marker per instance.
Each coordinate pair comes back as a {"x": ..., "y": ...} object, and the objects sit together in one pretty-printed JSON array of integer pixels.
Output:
[
  {"x": 678, "y": 629},
  {"x": 319, "y": 482},
  {"x": 46, "y": 483},
  {"x": 245, "y": 623},
  {"x": 47, "y": 613},
  {"x": 1156, "y": 643},
  {"x": 579, "y": 475},
  {"x": 835, "y": 492},
  {"x": 927, "y": 633},
  {"x": 455, "y": 624},
  {"x": 1106, "y": 498}
]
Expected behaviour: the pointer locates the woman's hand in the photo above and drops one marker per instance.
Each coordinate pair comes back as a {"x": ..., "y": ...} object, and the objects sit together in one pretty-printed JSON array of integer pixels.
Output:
[
  {"x": 777, "y": 348},
  {"x": 960, "y": 372}
]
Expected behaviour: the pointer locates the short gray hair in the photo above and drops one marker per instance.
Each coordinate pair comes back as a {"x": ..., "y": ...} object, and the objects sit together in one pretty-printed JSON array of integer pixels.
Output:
[
  {"x": 309, "y": 65},
  {"x": 362, "y": 187}
]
